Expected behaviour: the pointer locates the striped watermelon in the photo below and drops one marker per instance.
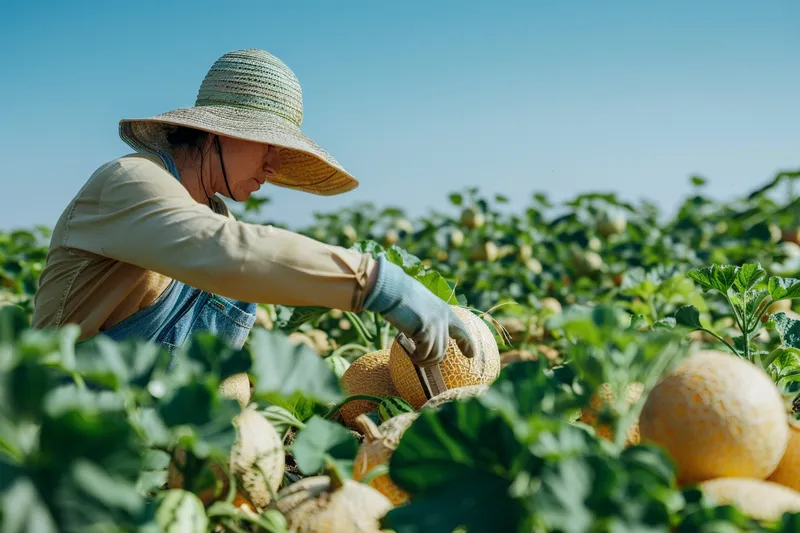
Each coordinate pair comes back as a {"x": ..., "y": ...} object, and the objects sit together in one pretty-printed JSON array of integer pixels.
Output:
[
  {"x": 393, "y": 406},
  {"x": 180, "y": 511},
  {"x": 338, "y": 364}
]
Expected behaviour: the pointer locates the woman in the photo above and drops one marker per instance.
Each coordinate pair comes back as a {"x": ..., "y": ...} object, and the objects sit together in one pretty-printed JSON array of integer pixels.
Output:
[{"x": 146, "y": 249}]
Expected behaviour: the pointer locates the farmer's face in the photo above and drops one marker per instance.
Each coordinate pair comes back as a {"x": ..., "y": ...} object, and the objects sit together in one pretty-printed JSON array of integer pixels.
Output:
[{"x": 247, "y": 165}]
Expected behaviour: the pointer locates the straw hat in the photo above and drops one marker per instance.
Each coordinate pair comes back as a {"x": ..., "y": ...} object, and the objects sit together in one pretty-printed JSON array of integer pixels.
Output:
[{"x": 251, "y": 95}]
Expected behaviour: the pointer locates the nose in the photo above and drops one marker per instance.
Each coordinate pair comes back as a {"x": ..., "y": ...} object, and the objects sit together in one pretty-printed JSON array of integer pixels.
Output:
[{"x": 272, "y": 161}]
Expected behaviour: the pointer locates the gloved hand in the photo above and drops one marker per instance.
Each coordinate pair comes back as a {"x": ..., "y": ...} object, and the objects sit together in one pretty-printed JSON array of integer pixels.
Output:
[{"x": 415, "y": 311}]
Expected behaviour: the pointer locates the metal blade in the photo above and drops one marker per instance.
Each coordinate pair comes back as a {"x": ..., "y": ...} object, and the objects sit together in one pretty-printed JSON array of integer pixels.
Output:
[{"x": 431, "y": 377}]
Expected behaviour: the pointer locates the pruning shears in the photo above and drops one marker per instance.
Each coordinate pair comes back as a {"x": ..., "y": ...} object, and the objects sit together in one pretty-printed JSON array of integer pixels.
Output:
[{"x": 429, "y": 377}]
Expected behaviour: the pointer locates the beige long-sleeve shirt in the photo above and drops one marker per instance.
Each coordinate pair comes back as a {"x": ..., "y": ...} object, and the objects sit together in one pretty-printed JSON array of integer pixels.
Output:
[{"x": 133, "y": 228}]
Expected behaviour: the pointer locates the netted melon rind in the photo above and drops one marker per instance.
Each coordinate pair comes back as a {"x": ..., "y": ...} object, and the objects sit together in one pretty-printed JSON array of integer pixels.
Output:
[
  {"x": 369, "y": 374},
  {"x": 457, "y": 370}
]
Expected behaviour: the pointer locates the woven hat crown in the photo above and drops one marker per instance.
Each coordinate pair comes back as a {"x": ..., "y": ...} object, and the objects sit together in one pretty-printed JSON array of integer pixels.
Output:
[{"x": 253, "y": 79}]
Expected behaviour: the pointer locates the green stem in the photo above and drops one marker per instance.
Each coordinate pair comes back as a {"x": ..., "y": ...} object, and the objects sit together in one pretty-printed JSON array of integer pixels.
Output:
[
  {"x": 726, "y": 343},
  {"x": 359, "y": 326},
  {"x": 375, "y": 472},
  {"x": 746, "y": 329},
  {"x": 332, "y": 411},
  {"x": 352, "y": 346}
]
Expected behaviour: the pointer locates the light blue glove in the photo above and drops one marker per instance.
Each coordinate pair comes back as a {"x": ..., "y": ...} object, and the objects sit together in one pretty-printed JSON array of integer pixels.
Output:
[{"x": 418, "y": 313}]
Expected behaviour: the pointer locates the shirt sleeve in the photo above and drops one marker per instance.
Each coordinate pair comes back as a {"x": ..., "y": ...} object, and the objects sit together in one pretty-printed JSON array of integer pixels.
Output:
[{"x": 139, "y": 214}]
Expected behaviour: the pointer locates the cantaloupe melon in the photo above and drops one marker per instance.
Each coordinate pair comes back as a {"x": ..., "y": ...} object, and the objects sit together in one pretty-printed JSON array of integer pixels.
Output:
[
  {"x": 459, "y": 393},
  {"x": 236, "y": 387},
  {"x": 759, "y": 499},
  {"x": 788, "y": 471},
  {"x": 457, "y": 370},
  {"x": 379, "y": 443},
  {"x": 603, "y": 396},
  {"x": 325, "y": 504},
  {"x": 717, "y": 415},
  {"x": 369, "y": 374}
]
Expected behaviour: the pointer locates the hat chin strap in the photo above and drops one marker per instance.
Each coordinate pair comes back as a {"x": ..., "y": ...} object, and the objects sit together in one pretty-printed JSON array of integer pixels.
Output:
[{"x": 222, "y": 164}]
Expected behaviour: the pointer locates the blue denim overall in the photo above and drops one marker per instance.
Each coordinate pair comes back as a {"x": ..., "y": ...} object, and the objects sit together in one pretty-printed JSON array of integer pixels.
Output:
[{"x": 181, "y": 310}]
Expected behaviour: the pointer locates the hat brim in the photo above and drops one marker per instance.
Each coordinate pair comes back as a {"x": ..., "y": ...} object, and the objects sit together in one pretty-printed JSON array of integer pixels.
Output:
[{"x": 304, "y": 165}]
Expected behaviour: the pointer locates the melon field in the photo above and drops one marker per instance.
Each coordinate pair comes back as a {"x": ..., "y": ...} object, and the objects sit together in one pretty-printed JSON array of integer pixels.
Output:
[{"x": 634, "y": 372}]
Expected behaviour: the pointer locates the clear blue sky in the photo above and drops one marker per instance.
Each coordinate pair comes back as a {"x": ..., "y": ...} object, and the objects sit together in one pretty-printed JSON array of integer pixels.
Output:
[{"x": 420, "y": 98}]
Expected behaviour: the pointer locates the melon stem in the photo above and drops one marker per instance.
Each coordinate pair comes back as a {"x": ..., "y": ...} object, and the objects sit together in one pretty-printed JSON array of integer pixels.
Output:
[
  {"x": 335, "y": 477},
  {"x": 370, "y": 430}
]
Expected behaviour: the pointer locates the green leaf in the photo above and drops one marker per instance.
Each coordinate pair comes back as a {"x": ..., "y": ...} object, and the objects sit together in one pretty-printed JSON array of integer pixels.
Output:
[
  {"x": 22, "y": 507},
  {"x": 321, "y": 440},
  {"x": 784, "y": 288},
  {"x": 200, "y": 418},
  {"x": 411, "y": 264},
  {"x": 456, "y": 199},
  {"x": 438, "y": 286},
  {"x": 281, "y": 418},
  {"x": 560, "y": 501},
  {"x": 282, "y": 369},
  {"x": 79, "y": 423},
  {"x": 89, "y": 497},
  {"x": 107, "y": 363},
  {"x": 748, "y": 276},
  {"x": 12, "y": 323},
  {"x": 788, "y": 329},
  {"x": 527, "y": 388},
  {"x": 462, "y": 504},
  {"x": 719, "y": 277},
  {"x": 301, "y": 316},
  {"x": 688, "y": 315},
  {"x": 454, "y": 445}
]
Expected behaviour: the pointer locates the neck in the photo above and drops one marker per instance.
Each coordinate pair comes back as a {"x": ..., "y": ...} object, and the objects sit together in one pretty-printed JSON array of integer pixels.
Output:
[{"x": 196, "y": 175}]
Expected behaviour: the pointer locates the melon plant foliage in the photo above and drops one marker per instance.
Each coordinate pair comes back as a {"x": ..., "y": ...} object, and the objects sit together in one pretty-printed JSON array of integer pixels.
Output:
[{"x": 88, "y": 430}]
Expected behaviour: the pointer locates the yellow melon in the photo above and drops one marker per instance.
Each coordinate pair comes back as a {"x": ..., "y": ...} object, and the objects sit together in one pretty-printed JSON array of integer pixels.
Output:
[
  {"x": 788, "y": 471},
  {"x": 459, "y": 393},
  {"x": 603, "y": 396},
  {"x": 759, "y": 499},
  {"x": 369, "y": 374},
  {"x": 717, "y": 415},
  {"x": 379, "y": 443},
  {"x": 457, "y": 370}
]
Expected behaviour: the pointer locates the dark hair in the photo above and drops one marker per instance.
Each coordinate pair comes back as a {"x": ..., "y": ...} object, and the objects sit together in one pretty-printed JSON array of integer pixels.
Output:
[{"x": 186, "y": 137}]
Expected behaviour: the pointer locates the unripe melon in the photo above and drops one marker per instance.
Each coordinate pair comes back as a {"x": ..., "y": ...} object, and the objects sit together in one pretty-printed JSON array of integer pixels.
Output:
[
  {"x": 788, "y": 471},
  {"x": 759, "y": 499},
  {"x": 459, "y": 393},
  {"x": 320, "y": 505},
  {"x": 236, "y": 387},
  {"x": 379, "y": 444},
  {"x": 369, "y": 374},
  {"x": 457, "y": 370},
  {"x": 717, "y": 415},
  {"x": 603, "y": 396}
]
